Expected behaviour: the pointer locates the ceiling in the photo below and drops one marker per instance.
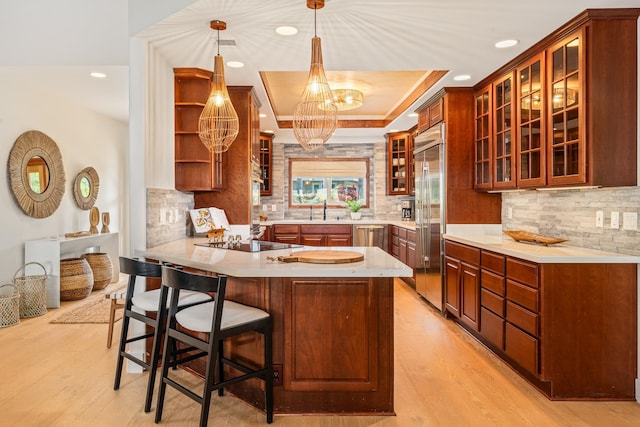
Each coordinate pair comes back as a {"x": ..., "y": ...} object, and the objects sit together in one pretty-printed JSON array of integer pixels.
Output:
[{"x": 387, "y": 47}]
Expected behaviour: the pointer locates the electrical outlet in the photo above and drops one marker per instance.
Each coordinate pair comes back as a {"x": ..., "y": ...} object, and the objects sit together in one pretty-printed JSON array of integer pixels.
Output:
[
  {"x": 599, "y": 219},
  {"x": 615, "y": 220},
  {"x": 629, "y": 220},
  {"x": 273, "y": 208},
  {"x": 264, "y": 208},
  {"x": 277, "y": 375},
  {"x": 163, "y": 216},
  {"x": 510, "y": 212}
]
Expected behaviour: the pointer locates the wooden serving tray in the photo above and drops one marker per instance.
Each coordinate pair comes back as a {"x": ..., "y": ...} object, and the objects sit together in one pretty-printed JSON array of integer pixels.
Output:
[
  {"x": 526, "y": 236},
  {"x": 322, "y": 257}
]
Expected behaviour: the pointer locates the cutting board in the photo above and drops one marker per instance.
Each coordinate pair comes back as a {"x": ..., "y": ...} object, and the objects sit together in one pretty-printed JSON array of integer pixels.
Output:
[{"x": 323, "y": 257}]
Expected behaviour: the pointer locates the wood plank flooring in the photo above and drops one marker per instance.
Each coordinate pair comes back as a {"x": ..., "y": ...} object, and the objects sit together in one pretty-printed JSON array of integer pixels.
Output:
[{"x": 62, "y": 375}]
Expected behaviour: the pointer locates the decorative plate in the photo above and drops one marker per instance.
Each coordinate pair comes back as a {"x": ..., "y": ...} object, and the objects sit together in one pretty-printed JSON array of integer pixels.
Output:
[{"x": 526, "y": 236}]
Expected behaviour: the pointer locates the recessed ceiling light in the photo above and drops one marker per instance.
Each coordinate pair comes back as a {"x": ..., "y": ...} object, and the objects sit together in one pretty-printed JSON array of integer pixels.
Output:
[
  {"x": 394, "y": 130},
  {"x": 412, "y": 115},
  {"x": 268, "y": 131},
  {"x": 98, "y": 75},
  {"x": 262, "y": 115},
  {"x": 235, "y": 64},
  {"x": 286, "y": 30},
  {"x": 461, "y": 77},
  {"x": 506, "y": 43}
]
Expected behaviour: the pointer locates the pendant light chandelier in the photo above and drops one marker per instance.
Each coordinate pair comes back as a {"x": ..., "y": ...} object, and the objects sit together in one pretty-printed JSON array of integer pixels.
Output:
[
  {"x": 315, "y": 116},
  {"x": 218, "y": 123}
]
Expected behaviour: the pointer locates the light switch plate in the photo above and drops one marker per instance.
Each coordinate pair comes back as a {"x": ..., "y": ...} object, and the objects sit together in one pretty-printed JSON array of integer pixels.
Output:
[
  {"x": 599, "y": 219},
  {"x": 510, "y": 213},
  {"x": 615, "y": 220},
  {"x": 273, "y": 208},
  {"x": 629, "y": 220}
]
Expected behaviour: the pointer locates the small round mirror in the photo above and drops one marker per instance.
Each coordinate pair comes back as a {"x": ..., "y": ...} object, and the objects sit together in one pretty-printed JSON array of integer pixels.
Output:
[
  {"x": 85, "y": 188},
  {"x": 37, "y": 174}
]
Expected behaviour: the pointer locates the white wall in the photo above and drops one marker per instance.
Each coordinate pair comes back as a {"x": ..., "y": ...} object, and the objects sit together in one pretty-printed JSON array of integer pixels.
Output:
[{"x": 84, "y": 138}]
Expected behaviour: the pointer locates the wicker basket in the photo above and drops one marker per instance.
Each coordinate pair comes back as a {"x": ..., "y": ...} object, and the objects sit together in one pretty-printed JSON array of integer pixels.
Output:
[
  {"x": 101, "y": 267},
  {"x": 76, "y": 279},
  {"x": 33, "y": 291},
  {"x": 9, "y": 306}
]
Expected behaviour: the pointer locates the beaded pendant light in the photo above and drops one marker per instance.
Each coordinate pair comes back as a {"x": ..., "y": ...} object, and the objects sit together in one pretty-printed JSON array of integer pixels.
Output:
[
  {"x": 315, "y": 116},
  {"x": 218, "y": 124}
]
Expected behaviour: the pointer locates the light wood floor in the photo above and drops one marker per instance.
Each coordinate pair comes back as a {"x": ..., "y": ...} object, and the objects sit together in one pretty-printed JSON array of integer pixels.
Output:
[{"x": 62, "y": 375}]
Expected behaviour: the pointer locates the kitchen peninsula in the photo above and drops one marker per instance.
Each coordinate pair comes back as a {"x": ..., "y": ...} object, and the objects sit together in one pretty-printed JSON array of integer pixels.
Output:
[{"x": 333, "y": 324}]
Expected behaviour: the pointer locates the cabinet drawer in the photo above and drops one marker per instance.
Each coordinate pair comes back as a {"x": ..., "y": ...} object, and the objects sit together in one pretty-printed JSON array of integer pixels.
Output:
[
  {"x": 325, "y": 229},
  {"x": 285, "y": 228},
  {"x": 492, "y": 328},
  {"x": 522, "y": 318},
  {"x": 411, "y": 236},
  {"x": 492, "y": 262},
  {"x": 493, "y": 282},
  {"x": 521, "y": 347},
  {"x": 463, "y": 253},
  {"x": 492, "y": 302},
  {"x": 523, "y": 295},
  {"x": 402, "y": 233},
  {"x": 522, "y": 271}
]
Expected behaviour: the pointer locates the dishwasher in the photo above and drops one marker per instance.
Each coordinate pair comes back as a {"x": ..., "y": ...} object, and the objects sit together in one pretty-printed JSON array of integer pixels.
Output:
[{"x": 370, "y": 235}]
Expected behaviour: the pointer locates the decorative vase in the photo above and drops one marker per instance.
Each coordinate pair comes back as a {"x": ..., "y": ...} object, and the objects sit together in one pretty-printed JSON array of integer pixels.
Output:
[
  {"x": 101, "y": 267},
  {"x": 94, "y": 219},
  {"x": 76, "y": 279},
  {"x": 356, "y": 215},
  {"x": 106, "y": 219}
]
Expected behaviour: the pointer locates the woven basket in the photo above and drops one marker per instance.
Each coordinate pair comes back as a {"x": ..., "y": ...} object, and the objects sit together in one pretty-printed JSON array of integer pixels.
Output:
[
  {"x": 33, "y": 291},
  {"x": 76, "y": 279},
  {"x": 101, "y": 267},
  {"x": 9, "y": 306}
]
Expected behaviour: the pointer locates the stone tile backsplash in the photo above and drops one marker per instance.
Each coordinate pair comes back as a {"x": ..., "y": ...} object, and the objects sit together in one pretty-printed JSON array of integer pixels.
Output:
[
  {"x": 167, "y": 215},
  {"x": 571, "y": 214}
]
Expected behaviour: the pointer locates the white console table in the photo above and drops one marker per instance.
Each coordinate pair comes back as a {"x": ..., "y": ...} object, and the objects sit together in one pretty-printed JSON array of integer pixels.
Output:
[{"x": 50, "y": 251}]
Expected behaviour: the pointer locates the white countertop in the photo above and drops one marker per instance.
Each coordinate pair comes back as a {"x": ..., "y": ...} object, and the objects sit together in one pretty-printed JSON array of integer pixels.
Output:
[
  {"x": 560, "y": 253},
  {"x": 376, "y": 263},
  {"x": 411, "y": 225}
]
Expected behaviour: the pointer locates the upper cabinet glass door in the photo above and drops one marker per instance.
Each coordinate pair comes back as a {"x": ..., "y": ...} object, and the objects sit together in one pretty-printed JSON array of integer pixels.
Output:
[
  {"x": 531, "y": 148},
  {"x": 566, "y": 159},
  {"x": 482, "y": 160},
  {"x": 504, "y": 152}
]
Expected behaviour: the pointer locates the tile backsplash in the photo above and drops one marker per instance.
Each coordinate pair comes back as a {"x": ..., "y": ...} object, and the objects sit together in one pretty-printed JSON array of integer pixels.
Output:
[{"x": 571, "y": 214}]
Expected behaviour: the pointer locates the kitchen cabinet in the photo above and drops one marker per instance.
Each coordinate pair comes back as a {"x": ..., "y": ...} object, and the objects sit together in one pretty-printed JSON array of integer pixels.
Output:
[
  {"x": 587, "y": 124},
  {"x": 402, "y": 245},
  {"x": 238, "y": 162},
  {"x": 286, "y": 233},
  {"x": 266, "y": 165},
  {"x": 399, "y": 157},
  {"x": 196, "y": 168},
  {"x": 431, "y": 114},
  {"x": 326, "y": 235},
  {"x": 557, "y": 324},
  {"x": 462, "y": 283}
]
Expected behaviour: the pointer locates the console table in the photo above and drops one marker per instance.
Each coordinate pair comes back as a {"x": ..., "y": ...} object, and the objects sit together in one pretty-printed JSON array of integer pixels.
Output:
[{"x": 50, "y": 251}]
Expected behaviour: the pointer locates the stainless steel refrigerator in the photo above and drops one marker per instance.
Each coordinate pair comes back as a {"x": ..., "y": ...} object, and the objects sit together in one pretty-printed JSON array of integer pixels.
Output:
[{"x": 430, "y": 207}]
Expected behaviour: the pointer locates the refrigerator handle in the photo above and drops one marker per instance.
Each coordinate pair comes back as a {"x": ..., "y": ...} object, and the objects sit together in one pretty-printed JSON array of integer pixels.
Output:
[{"x": 426, "y": 200}]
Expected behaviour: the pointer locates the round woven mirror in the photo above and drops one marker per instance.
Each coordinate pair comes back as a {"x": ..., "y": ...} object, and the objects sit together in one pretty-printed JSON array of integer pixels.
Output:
[
  {"x": 85, "y": 188},
  {"x": 36, "y": 174}
]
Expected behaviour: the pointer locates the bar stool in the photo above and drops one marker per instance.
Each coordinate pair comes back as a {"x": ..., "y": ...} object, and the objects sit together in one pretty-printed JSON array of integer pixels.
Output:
[
  {"x": 218, "y": 319},
  {"x": 147, "y": 302}
]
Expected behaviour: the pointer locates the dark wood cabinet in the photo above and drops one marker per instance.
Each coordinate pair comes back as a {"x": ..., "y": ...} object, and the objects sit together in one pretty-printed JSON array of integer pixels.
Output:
[
  {"x": 430, "y": 114},
  {"x": 266, "y": 165},
  {"x": 556, "y": 324},
  {"x": 196, "y": 168},
  {"x": 402, "y": 245},
  {"x": 286, "y": 233},
  {"x": 569, "y": 116},
  {"x": 462, "y": 283},
  {"x": 399, "y": 160},
  {"x": 313, "y": 234}
]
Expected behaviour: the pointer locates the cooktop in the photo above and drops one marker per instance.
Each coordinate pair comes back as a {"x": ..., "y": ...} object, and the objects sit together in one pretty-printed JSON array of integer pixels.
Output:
[{"x": 250, "y": 246}]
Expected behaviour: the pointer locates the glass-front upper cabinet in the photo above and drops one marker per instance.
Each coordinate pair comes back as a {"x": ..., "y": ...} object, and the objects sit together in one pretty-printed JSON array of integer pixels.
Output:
[
  {"x": 567, "y": 154},
  {"x": 399, "y": 155},
  {"x": 504, "y": 165},
  {"x": 531, "y": 111},
  {"x": 482, "y": 160}
]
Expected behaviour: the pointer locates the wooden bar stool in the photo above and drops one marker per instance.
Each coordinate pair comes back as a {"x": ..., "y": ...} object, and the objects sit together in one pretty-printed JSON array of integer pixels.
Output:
[
  {"x": 218, "y": 319},
  {"x": 137, "y": 306}
]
